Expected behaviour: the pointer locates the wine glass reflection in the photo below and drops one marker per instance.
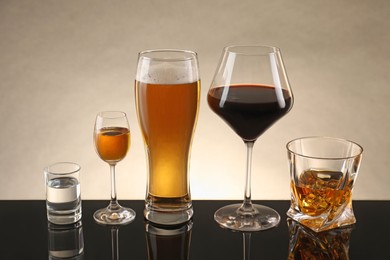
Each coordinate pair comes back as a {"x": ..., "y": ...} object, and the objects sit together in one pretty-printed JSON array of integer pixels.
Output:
[
  {"x": 307, "y": 244},
  {"x": 246, "y": 244},
  {"x": 164, "y": 242}
]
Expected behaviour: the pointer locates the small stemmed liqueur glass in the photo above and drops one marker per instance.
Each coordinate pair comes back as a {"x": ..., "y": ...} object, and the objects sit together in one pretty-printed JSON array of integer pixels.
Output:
[
  {"x": 250, "y": 92},
  {"x": 112, "y": 141}
]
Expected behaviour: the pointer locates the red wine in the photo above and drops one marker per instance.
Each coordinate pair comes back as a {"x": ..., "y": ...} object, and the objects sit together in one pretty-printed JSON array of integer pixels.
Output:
[{"x": 249, "y": 109}]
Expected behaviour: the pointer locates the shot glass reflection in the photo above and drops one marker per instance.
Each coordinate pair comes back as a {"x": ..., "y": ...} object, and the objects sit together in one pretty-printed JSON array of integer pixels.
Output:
[
  {"x": 65, "y": 241},
  {"x": 307, "y": 244},
  {"x": 164, "y": 242}
]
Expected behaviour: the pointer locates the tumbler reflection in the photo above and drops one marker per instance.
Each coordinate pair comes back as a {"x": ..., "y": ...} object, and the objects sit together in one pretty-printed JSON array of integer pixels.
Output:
[
  {"x": 66, "y": 241},
  {"x": 307, "y": 244},
  {"x": 168, "y": 242}
]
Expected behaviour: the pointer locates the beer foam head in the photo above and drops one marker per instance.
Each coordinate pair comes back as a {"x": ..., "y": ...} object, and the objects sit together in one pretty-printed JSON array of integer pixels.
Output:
[{"x": 174, "y": 70}]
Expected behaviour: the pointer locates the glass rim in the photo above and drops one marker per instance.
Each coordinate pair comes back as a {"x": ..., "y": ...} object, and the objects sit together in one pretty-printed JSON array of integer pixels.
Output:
[
  {"x": 50, "y": 169},
  {"x": 325, "y": 157},
  {"x": 191, "y": 55},
  {"x": 111, "y": 114},
  {"x": 251, "y": 49}
]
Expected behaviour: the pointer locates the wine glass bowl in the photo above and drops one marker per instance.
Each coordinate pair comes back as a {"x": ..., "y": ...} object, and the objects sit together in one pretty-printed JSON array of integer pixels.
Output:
[
  {"x": 249, "y": 109},
  {"x": 112, "y": 141},
  {"x": 250, "y": 92}
]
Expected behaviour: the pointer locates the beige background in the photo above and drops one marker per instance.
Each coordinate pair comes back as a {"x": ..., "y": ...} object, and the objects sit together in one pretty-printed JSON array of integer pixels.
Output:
[{"x": 63, "y": 61}]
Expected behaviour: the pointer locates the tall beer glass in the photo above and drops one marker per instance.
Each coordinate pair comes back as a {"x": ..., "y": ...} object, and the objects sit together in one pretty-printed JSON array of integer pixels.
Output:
[{"x": 167, "y": 90}]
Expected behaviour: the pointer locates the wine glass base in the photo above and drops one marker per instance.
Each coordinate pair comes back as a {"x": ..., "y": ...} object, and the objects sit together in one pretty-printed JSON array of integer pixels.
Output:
[
  {"x": 260, "y": 218},
  {"x": 117, "y": 216}
]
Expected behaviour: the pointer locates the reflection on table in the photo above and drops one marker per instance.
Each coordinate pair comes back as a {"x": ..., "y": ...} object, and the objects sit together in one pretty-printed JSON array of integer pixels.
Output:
[
  {"x": 164, "y": 242},
  {"x": 307, "y": 244},
  {"x": 65, "y": 241},
  {"x": 28, "y": 236}
]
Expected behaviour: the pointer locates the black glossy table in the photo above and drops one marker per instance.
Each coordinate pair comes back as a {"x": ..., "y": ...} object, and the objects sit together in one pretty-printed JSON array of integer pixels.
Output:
[{"x": 25, "y": 233}]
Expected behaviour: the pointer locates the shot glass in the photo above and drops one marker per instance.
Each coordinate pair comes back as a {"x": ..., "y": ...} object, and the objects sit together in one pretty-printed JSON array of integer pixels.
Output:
[
  {"x": 323, "y": 171},
  {"x": 63, "y": 201},
  {"x": 65, "y": 241}
]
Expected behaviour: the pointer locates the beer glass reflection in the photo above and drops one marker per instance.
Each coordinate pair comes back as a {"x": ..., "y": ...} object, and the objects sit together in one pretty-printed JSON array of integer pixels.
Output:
[
  {"x": 168, "y": 243},
  {"x": 307, "y": 244},
  {"x": 167, "y": 90},
  {"x": 66, "y": 241}
]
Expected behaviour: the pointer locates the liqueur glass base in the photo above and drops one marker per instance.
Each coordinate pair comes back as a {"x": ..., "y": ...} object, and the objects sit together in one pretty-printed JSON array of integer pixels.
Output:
[{"x": 117, "y": 216}]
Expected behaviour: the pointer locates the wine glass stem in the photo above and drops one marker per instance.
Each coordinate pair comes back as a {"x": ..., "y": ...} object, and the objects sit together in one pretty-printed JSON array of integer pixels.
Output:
[
  {"x": 113, "y": 202},
  {"x": 247, "y": 204}
]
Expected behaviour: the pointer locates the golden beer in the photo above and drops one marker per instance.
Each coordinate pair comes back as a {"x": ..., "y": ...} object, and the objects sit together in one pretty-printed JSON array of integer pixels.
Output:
[
  {"x": 167, "y": 115},
  {"x": 167, "y": 90}
]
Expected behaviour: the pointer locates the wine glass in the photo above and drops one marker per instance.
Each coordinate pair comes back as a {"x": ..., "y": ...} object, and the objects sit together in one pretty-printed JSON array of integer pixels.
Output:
[
  {"x": 112, "y": 141},
  {"x": 250, "y": 92}
]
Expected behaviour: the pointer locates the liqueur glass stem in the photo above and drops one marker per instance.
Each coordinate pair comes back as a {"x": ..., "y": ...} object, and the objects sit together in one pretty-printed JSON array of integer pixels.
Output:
[{"x": 114, "y": 201}]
